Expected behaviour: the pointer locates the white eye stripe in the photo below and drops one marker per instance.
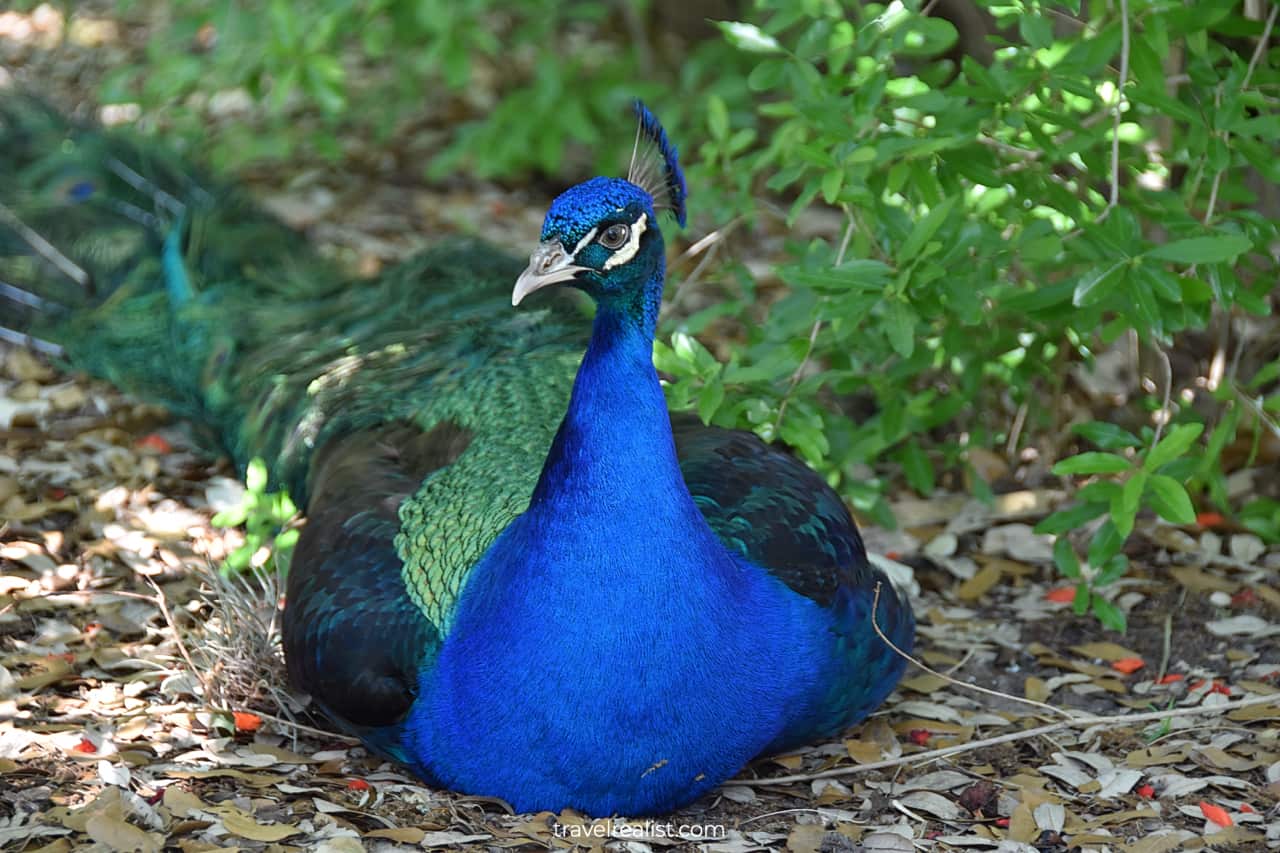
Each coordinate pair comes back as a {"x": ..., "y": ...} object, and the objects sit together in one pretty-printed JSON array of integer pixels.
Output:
[
  {"x": 591, "y": 235},
  {"x": 628, "y": 250}
]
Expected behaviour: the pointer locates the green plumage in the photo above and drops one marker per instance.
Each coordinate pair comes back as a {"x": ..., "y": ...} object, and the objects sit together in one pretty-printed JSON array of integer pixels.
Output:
[{"x": 275, "y": 353}]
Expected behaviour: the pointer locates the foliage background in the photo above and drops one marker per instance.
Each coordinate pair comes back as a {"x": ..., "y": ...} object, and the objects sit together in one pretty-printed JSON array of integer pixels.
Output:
[{"x": 965, "y": 204}]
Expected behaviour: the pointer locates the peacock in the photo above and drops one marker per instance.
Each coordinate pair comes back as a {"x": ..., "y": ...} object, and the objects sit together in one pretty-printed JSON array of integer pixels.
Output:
[{"x": 520, "y": 576}]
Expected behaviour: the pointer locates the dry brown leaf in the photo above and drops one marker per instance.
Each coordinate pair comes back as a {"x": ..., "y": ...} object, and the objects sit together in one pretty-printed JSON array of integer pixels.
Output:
[
  {"x": 243, "y": 824},
  {"x": 805, "y": 838},
  {"x": 118, "y": 834},
  {"x": 1198, "y": 580},
  {"x": 978, "y": 585},
  {"x": 403, "y": 835}
]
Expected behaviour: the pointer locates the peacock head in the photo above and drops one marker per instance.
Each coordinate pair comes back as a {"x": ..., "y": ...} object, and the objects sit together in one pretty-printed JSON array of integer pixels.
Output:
[{"x": 602, "y": 236}]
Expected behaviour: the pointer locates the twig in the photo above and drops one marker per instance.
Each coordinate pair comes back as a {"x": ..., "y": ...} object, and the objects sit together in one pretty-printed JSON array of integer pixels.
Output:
[
  {"x": 1015, "y": 432},
  {"x": 1114, "y": 197},
  {"x": 1259, "y": 49},
  {"x": 813, "y": 336},
  {"x": 163, "y": 604},
  {"x": 710, "y": 240},
  {"x": 708, "y": 247},
  {"x": 875, "y": 623},
  {"x": 1216, "y": 184},
  {"x": 294, "y": 724},
  {"x": 1258, "y": 410},
  {"x": 1168, "y": 391},
  {"x": 1115, "y": 720},
  {"x": 18, "y": 600},
  {"x": 1165, "y": 647},
  {"x": 45, "y": 249},
  {"x": 1006, "y": 148}
]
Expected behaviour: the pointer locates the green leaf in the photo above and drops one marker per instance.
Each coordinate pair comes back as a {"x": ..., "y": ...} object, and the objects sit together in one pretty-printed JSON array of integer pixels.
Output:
[
  {"x": 917, "y": 468},
  {"x": 1108, "y": 614},
  {"x": 1202, "y": 250},
  {"x": 1064, "y": 557},
  {"x": 831, "y": 183},
  {"x": 858, "y": 274},
  {"x": 1080, "y": 604},
  {"x": 238, "y": 559},
  {"x": 665, "y": 360},
  {"x": 1069, "y": 519},
  {"x": 900, "y": 327},
  {"x": 1092, "y": 462},
  {"x": 748, "y": 37},
  {"x": 925, "y": 229},
  {"x": 1169, "y": 498},
  {"x": 1112, "y": 570},
  {"x": 768, "y": 74},
  {"x": 1104, "y": 545},
  {"x": 233, "y": 517},
  {"x": 709, "y": 400},
  {"x": 1124, "y": 508},
  {"x": 717, "y": 117},
  {"x": 1037, "y": 30},
  {"x": 255, "y": 475},
  {"x": 1107, "y": 436},
  {"x": 1099, "y": 491},
  {"x": 1095, "y": 285},
  {"x": 1173, "y": 445}
]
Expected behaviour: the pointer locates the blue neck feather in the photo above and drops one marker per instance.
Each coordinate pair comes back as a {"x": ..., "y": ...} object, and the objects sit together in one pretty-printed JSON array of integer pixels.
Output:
[{"x": 616, "y": 425}]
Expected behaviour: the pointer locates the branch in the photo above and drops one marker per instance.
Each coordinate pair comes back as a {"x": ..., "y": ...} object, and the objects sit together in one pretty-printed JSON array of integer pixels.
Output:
[
  {"x": 813, "y": 335},
  {"x": 1114, "y": 197},
  {"x": 1259, "y": 49},
  {"x": 875, "y": 624},
  {"x": 1108, "y": 721}
]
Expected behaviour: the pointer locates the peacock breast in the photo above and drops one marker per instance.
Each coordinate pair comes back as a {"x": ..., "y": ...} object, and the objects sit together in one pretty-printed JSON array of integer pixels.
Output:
[{"x": 633, "y": 686}]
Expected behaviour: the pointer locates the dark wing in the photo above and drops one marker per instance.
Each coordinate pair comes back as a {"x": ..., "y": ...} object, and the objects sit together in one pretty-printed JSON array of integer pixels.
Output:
[
  {"x": 774, "y": 509},
  {"x": 353, "y": 638}
]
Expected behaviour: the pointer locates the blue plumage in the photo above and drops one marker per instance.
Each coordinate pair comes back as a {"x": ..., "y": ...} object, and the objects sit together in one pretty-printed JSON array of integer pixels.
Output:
[{"x": 520, "y": 575}]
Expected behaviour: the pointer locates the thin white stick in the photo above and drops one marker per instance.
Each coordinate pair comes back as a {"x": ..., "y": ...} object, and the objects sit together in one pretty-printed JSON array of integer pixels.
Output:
[{"x": 1115, "y": 721}]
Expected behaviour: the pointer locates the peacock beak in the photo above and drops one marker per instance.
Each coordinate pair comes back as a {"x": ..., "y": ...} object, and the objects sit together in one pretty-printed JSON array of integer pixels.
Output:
[{"x": 549, "y": 264}]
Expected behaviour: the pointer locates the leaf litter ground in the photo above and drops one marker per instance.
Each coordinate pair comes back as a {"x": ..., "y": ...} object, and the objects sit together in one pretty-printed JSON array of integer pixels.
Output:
[
  {"x": 108, "y": 736},
  {"x": 127, "y": 727}
]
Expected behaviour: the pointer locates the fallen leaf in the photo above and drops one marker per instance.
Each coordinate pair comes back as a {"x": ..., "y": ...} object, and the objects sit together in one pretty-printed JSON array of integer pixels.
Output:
[
  {"x": 1215, "y": 814},
  {"x": 118, "y": 834},
  {"x": 154, "y": 442},
  {"x": 246, "y": 721},
  {"x": 805, "y": 838},
  {"x": 978, "y": 585},
  {"x": 242, "y": 824}
]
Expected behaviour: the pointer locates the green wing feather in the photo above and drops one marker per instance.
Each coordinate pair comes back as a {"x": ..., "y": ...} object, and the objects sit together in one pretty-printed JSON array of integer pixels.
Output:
[{"x": 200, "y": 301}]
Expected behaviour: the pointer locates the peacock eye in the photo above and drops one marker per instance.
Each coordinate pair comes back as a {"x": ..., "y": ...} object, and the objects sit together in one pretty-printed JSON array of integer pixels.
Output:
[{"x": 614, "y": 236}]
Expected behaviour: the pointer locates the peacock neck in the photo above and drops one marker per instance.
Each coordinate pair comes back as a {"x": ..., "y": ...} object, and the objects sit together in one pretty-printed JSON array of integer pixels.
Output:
[{"x": 614, "y": 446}]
